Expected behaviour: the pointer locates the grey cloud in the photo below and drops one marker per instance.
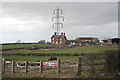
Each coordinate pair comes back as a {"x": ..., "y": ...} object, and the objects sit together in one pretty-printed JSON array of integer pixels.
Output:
[{"x": 81, "y": 18}]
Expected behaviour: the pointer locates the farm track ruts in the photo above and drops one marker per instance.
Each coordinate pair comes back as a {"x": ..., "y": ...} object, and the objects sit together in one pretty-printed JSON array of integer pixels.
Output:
[
  {"x": 12, "y": 49},
  {"x": 16, "y": 48}
]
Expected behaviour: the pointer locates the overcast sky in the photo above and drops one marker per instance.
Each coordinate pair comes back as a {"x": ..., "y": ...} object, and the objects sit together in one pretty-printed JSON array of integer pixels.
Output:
[{"x": 32, "y": 21}]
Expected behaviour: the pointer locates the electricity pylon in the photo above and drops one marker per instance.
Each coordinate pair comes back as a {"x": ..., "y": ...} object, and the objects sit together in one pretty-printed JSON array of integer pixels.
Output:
[{"x": 57, "y": 25}]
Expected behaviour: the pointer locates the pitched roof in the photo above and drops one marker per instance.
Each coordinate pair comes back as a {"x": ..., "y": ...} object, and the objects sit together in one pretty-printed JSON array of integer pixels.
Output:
[
  {"x": 84, "y": 38},
  {"x": 115, "y": 38},
  {"x": 58, "y": 36}
]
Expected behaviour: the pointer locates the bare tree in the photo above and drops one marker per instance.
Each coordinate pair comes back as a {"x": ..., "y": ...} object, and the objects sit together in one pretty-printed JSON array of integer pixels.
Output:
[{"x": 18, "y": 41}]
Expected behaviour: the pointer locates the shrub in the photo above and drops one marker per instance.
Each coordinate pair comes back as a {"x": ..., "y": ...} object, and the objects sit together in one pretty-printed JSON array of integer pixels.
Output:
[{"x": 112, "y": 64}]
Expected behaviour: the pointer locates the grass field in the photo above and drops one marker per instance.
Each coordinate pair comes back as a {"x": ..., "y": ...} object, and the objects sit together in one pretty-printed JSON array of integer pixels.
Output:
[
  {"x": 87, "y": 49},
  {"x": 78, "y": 50},
  {"x": 9, "y": 46},
  {"x": 72, "y": 59}
]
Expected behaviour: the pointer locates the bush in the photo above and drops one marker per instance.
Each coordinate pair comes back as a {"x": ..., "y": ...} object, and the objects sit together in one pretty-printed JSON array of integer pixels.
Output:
[{"x": 112, "y": 64}]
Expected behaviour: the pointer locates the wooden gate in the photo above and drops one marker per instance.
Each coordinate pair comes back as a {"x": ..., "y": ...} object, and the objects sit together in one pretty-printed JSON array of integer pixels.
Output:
[{"x": 15, "y": 66}]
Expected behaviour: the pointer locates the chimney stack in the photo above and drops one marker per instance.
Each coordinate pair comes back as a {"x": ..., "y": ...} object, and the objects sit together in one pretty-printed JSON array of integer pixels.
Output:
[
  {"x": 55, "y": 33},
  {"x": 61, "y": 33}
]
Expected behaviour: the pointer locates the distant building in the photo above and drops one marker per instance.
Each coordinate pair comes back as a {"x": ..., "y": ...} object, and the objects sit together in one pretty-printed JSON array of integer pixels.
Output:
[
  {"x": 113, "y": 41},
  {"x": 88, "y": 40},
  {"x": 84, "y": 41},
  {"x": 105, "y": 41},
  {"x": 58, "y": 39},
  {"x": 74, "y": 42}
]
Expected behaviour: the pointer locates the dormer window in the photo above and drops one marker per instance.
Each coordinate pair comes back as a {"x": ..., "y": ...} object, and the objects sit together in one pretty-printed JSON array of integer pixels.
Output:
[
  {"x": 53, "y": 38},
  {"x": 60, "y": 38}
]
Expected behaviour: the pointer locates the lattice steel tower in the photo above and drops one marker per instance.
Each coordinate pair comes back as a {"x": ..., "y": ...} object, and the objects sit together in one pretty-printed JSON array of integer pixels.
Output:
[{"x": 57, "y": 24}]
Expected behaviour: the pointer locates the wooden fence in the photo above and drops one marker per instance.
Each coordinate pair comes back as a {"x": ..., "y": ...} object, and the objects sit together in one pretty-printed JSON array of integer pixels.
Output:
[
  {"x": 15, "y": 66},
  {"x": 93, "y": 65},
  {"x": 86, "y": 66}
]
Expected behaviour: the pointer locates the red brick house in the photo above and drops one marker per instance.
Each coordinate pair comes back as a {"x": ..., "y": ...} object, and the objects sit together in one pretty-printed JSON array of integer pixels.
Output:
[{"x": 58, "y": 39}]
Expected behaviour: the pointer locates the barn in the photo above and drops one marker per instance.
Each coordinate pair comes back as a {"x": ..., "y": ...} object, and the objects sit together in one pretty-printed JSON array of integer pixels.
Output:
[{"x": 115, "y": 40}]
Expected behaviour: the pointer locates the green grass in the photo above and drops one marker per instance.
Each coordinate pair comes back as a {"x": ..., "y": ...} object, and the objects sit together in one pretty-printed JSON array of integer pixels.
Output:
[
  {"x": 37, "y": 58},
  {"x": 89, "y": 49},
  {"x": 23, "y": 45}
]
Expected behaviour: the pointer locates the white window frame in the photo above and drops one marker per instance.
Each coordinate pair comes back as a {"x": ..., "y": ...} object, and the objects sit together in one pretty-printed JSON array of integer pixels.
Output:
[
  {"x": 56, "y": 42},
  {"x": 60, "y": 42},
  {"x": 53, "y": 42},
  {"x": 60, "y": 38}
]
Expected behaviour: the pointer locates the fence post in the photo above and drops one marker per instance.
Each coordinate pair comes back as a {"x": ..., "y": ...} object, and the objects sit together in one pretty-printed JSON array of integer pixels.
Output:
[
  {"x": 13, "y": 65},
  {"x": 92, "y": 59},
  {"x": 105, "y": 68},
  {"x": 92, "y": 71},
  {"x": 3, "y": 61},
  {"x": 26, "y": 66},
  {"x": 79, "y": 67},
  {"x": 58, "y": 66},
  {"x": 41, "y": 67}
]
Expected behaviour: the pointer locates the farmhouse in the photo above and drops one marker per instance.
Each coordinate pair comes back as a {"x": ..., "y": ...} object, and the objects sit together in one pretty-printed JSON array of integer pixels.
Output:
[{"x": 58, "y": 39}]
